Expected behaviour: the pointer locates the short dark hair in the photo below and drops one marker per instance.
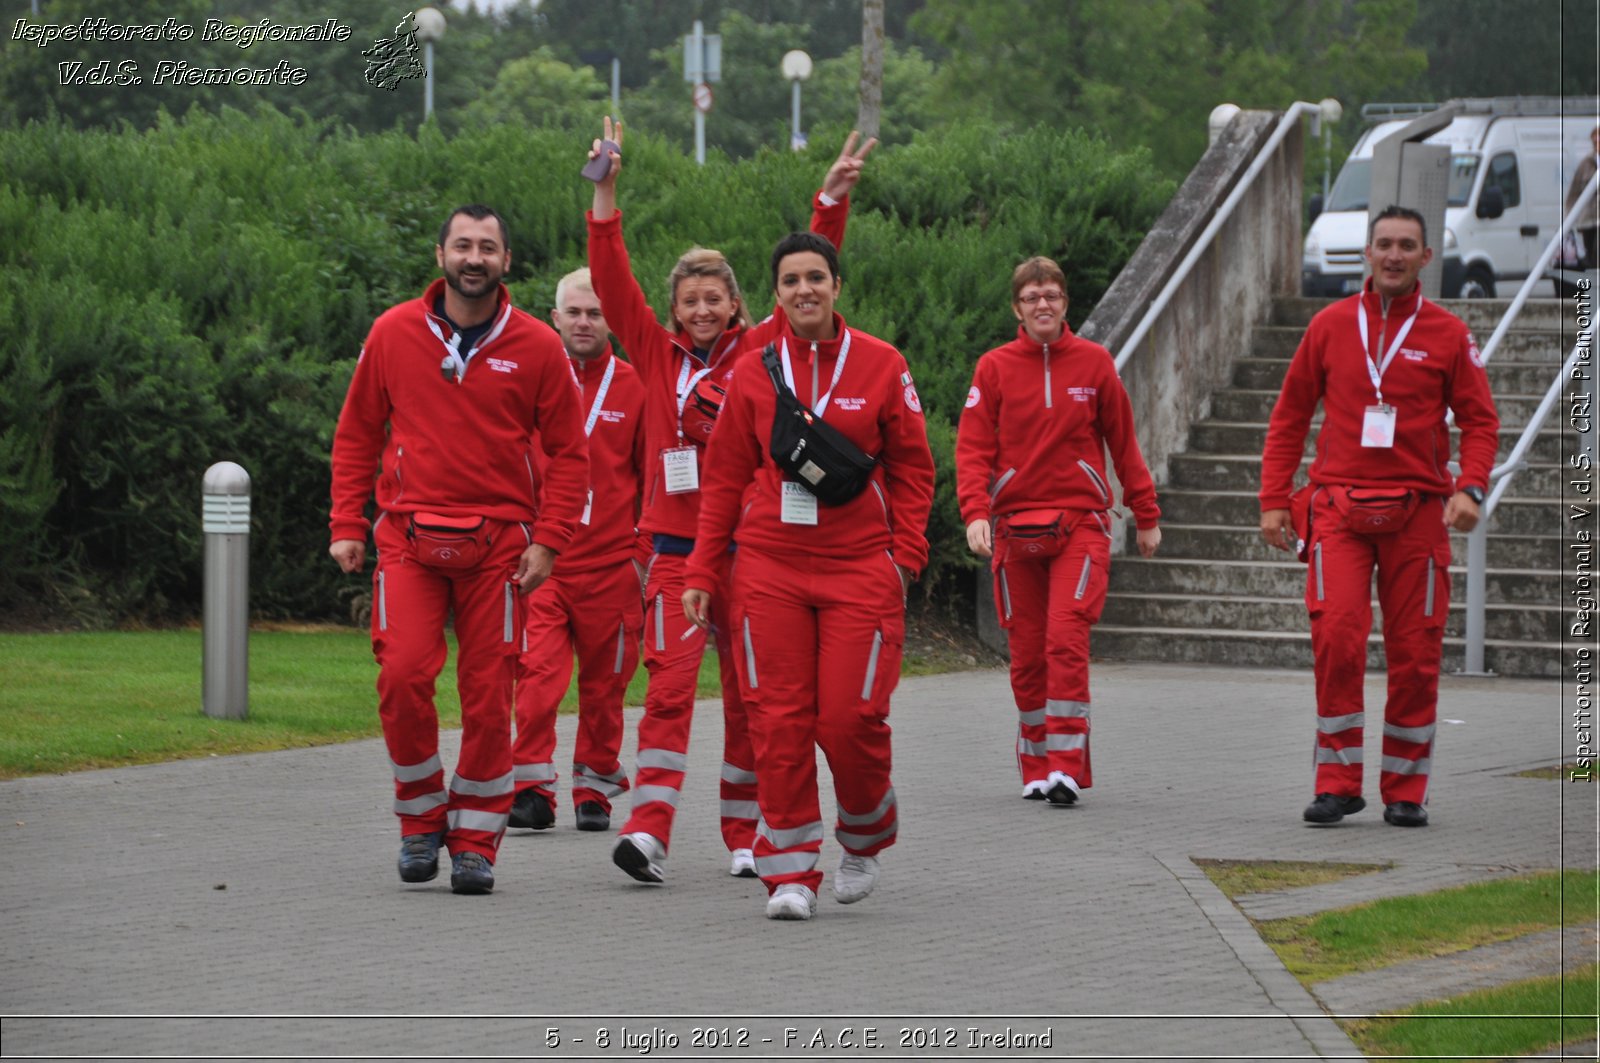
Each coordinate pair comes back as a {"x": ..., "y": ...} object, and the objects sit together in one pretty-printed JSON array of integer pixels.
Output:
[
  {"x": 1395, "y": 211},
  {"x": 477, "y": 212},
  {"x": 797, "y": 243}
]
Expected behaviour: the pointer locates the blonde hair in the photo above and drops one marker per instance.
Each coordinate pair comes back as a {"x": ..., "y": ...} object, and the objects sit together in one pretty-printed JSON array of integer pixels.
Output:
[
  {"x": 1036, "y": 270},
  {"x": 577, "y": 280},
  {"x": 705, "y": 262}
]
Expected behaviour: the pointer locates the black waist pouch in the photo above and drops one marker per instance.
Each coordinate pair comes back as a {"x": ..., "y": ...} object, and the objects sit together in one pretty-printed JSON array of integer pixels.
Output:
[{"x": 814, "y": 453}]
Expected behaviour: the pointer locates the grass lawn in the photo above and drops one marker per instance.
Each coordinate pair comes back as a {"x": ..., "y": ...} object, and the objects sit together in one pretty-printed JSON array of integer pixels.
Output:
[
  {"x": 1389, "y": 931},
  {"x": 1235, "y": 878},
  {"x": 1506, "y": 1021},
  {"x": 93, "y": 700},
  {"x": 1569, "y": 772}
]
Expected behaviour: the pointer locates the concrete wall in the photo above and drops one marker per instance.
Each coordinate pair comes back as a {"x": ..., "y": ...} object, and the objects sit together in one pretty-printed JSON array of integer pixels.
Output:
[{"x": 1191, "y": 350}]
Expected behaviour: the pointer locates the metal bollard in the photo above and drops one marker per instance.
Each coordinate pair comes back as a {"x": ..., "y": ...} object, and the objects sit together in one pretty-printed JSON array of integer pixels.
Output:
[{"x": 225, "y": 514}]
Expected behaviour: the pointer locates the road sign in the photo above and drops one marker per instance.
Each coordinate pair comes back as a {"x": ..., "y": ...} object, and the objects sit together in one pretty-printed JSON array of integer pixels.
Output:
[{"x": 702, "y": 98}]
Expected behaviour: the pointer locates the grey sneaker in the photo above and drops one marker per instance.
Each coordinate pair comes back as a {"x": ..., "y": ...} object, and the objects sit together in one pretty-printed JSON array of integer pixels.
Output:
[
  {"x": 640, "y": 855},
  {"x": 855, "y": 878},
  {"x": 792, "y": 901}
]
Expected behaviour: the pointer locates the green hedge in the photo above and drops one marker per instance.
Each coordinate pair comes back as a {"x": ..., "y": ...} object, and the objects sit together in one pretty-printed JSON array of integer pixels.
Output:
[{"x": 198, "y": 292}]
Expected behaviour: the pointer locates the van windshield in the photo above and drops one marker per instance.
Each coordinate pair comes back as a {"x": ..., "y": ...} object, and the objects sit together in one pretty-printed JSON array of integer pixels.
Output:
[{"x": 1352, "y": 188}]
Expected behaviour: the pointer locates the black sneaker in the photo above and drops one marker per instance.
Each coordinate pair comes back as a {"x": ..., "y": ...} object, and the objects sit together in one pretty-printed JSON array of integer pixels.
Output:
[
  {"x": 471, "y": 873},
  {"x": 531, "y": 810},
  {"x": 419, "y": 857},
  {"x": 591, "y": 815},
  {"x": 1405, "y": 814},
  {"x": 1061, "y": 794},
  {"x": 1328, "y": 809}
]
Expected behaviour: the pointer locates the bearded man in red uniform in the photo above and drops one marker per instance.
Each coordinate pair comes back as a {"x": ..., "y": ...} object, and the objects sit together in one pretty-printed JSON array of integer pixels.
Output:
[
  {"x": 449, "y": 396},
  {"x": 1387, "y": 366}
]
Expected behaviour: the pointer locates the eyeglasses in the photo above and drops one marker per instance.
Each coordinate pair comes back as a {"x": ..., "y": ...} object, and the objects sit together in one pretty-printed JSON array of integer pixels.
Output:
[{"x": 1048, "y": 298}]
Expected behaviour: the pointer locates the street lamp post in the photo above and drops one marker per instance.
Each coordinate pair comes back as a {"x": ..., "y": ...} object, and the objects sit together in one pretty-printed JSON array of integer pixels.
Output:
[
  {"x": 430, "y": 25},
  {"x": 796, "y": 67},
  {"x": 1332, "y": 111}
]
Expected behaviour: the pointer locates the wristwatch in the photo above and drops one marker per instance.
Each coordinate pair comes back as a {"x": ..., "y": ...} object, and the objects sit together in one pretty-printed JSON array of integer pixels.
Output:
[{"x": 1474, "y": 493}]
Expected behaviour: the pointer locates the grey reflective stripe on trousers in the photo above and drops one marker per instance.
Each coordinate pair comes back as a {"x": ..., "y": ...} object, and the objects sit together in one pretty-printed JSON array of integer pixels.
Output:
[
  {"x": 1005, "y": 592},
  {"x": 789, "y": 837},
  {"x": 665, "y": 759},
  {"x": 511, "y": 613},
  {"x": 416, "y": 772},
  {"x": 1402, "y": 766},
  {"x": 1066, "y": 709},
  {"x": 460, "y": 784},
  {"x": 477, "y": 819},
  {"x": 622, "y": 645},
  {"x": 383, "y": 604},
  {"x": 420, "y": 805},
  {"x": 1060, "y": 743},
  {"x": 1083, "y": 578},
  {"x": 661, "y": 624},
  {"x": 872, "y": 665},
  {"x": 857, "y": 820},
  {"x": 749, "y": 655},
  {"x": 740, "y": 810},
  {"x": 606, "y": 785},
  {"x": 797, "y": 862},
  {"x": 1031, "y": 718},
  {"x": 1316, "y": 566},
  {"x": 1352, "y": 755},
  {"x": 1332, "y": 725},
  {"x": 545, "y": 772},
  {"x": 643, "y": 795},
  {"x": 1427, "y": 601},
  {"x": 853, "y": 841},
  {"x": 732, "y": 773},
  {"x": 1409, "y": 734},
  {"x": 1030, "y": 749}
]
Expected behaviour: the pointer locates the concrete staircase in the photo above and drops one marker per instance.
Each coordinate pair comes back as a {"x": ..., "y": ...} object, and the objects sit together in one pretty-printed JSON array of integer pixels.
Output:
[{"x": 1215, "y": 593}]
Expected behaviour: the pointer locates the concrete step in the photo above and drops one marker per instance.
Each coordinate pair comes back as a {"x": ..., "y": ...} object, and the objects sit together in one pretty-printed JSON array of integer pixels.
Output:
[
  {"x": 1255, "y": 406},
  {"x": 1206, "y": 613},
  {"x": 1534, "y": 346},
  {"x": 1243, "y": 437},
  {"x": 1241, "y": 509},
  {"x": 1506, "y": 377},
  {"x": 1212, "y": 542},
  {"x": 1243, "y": 471},
  {"x": 1287, "y": 579},
  {"x": 1279, "y": 649},
  {"x": 1481, "y": 315}
]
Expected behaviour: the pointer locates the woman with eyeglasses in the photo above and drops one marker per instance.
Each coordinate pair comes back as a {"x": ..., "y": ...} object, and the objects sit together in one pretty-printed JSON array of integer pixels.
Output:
[
  {"x": 684, "y": 366},
  {"x": 1031, "y": 481},
  {"x": 817, "y": 589}
]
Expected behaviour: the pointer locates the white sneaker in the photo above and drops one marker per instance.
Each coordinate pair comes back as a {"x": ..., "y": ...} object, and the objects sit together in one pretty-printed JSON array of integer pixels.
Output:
[
  {"x": 744, "y": 864},
  {"x": 792, "y": 901},
  {"x": 855, "y": 878},
  {"x": 640, "y": 855}
]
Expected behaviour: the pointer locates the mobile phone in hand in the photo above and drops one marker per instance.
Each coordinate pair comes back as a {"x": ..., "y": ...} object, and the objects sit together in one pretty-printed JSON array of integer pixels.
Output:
[{"x": 600, "y": 165}]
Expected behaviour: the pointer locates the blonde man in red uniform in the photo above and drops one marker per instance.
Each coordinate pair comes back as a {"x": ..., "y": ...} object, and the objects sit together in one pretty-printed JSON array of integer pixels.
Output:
[
  {"x": 1032, "y": 485},
  {"x": 590, "y": 605},
  {"x": 1386, "y": 365},
  {"x": 447, "y": 397},
  {"x": 684, "y": 368},
  {"x": 817, "y": 591}
]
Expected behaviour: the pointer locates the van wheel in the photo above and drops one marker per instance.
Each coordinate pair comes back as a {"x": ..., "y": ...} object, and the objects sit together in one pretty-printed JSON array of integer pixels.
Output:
[{"x": 1478, "y": 284}]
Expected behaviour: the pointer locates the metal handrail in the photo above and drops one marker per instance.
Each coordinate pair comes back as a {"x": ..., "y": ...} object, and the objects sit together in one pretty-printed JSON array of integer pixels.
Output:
[
  {"x": 1291, "y": 117},
  {"x": 1500, "y": 476}
]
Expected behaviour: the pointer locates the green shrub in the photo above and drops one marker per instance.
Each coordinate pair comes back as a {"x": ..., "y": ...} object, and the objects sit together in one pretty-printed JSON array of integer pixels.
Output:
[{"x": 198, "y": 292}]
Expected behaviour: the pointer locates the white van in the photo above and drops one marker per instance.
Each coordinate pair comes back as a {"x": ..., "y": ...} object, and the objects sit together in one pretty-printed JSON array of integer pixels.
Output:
[{"x": 1511, "y": 161}]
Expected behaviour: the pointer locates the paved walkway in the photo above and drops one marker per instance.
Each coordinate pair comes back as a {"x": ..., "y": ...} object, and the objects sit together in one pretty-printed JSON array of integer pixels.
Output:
[{"x": 248, "y": 906}]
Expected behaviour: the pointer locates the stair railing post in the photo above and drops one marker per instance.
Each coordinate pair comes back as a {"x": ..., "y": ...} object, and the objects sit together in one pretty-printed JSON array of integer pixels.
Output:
[{"x": 1477, "y": 598}]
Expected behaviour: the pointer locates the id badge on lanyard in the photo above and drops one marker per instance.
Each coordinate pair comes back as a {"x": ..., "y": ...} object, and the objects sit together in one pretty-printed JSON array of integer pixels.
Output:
[
  {"x": 1378, "y": 420},
  {"x": 680, "y": 467},
  {"x": 799, "y": 505}
]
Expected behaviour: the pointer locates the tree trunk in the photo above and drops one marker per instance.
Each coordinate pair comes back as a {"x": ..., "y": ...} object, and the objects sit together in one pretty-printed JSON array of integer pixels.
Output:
[{"x": 869, "y": 116}]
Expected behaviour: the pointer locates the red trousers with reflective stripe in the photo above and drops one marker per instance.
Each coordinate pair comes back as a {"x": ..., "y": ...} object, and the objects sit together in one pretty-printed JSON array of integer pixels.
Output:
[
  {"x": 411, "y": 603},
  {"x": 818, "y": 642},
  {"x": 597, "y": 616},
  {"x": 1413, "y": 570},
  {"x": 1047, "y": 606},
  {"x": 673, "y": 648}
]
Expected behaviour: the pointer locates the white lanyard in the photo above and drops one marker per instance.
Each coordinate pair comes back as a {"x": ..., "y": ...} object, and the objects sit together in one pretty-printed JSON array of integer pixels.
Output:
[
  {"x": 1376, "y": 371},
  {"x": 453, "y": 359},
  {"x": 686, "y": 384},
  {"x": 599, "y": 396},
  {"x": 821, "y": 408}
]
